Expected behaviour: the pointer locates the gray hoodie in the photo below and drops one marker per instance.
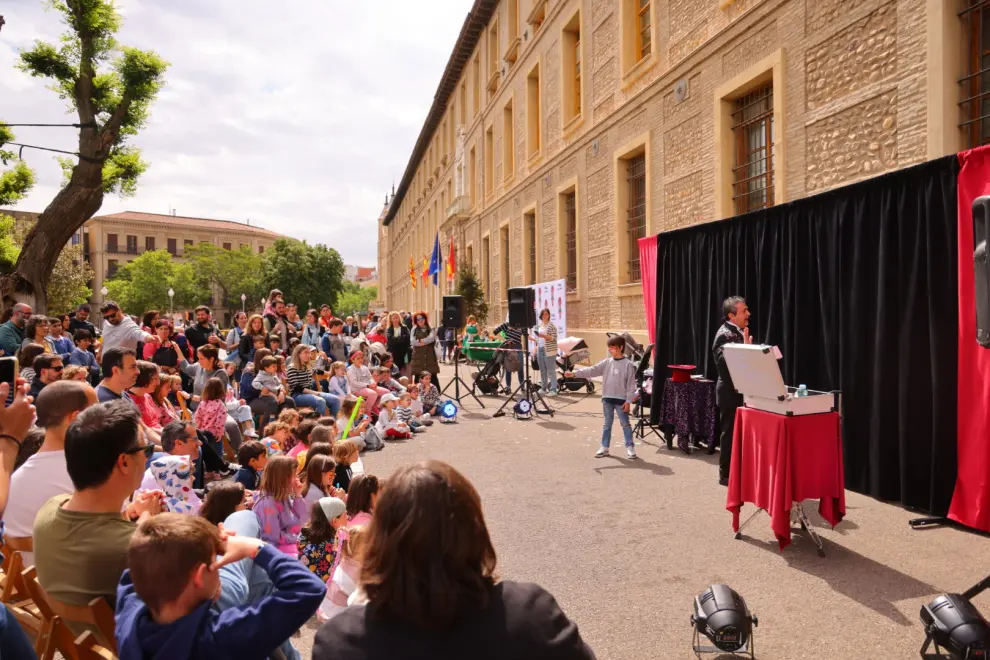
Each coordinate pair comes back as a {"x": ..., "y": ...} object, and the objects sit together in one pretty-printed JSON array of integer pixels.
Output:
[{"x": 618, "y": 378}]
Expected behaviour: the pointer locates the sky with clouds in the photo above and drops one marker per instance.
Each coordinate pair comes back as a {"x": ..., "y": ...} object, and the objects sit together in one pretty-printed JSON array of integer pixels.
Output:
[{"x": 295, "y": 114}]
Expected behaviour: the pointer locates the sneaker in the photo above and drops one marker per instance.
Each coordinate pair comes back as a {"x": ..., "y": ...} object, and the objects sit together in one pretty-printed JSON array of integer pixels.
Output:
[
  {"x": 602, "y": 452},
  {"x": 425, "y": 416},
  {"x": 250, "y": 433},
  {"x": 631, "y": 454}
]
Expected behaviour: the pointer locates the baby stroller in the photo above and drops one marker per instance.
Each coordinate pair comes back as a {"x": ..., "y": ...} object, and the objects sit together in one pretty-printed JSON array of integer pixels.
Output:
[
  {"x": 486, "y": 379},
  {"x": 572, "y": 350},
  {"x": 634, "y": 351}
]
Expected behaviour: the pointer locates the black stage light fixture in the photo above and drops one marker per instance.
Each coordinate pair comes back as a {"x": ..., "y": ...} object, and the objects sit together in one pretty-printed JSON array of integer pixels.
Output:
[
  {"x": 721, "y": 615},
  {"x": 954, "y": 625}
]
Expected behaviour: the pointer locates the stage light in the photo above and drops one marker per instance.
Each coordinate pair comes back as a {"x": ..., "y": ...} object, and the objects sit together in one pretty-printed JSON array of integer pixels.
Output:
[
  {"x": 721, "y": 615},
  {"x": 523, "y": 409},
  {"x": 448, "y": 412},
  {"x": 953, "y": 624}
]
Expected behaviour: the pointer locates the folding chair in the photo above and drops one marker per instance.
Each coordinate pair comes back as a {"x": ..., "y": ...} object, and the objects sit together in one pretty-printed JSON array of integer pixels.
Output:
[
  {"x": 97, "y": 615},
  {"x": 89, "y": 648},
  {"x": 184, "y": 412}
]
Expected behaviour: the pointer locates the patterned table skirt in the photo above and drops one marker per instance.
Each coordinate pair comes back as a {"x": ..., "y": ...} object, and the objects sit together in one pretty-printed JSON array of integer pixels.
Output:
[{"x": 689, "y": 408}]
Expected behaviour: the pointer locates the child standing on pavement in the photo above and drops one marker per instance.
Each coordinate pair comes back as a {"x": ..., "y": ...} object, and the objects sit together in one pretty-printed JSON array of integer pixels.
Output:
[{"x": 618, "y": 389}]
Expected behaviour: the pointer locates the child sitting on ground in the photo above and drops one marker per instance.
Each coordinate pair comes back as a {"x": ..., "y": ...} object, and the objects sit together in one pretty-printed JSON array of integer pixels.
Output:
[
  {"x": 388, "y": 362},
  {"x": 319, "y": 542},
  {"x": 346, "y": 575},
  {"x": 388, "y": 426},
  {"x": 417, "y": 407},
  {"x": 404, "y": 413},
  {"x": 252, "y": 457},
  {"x": 291, "y": 418},
  {"x": 345, "y": 454},
  {"x": 225, "y": 498},
  {"x": 338, "y": 380},
  {"x": 277, "y": 436},
  {"x": 280, "y": 508},
  {"x": 428, "y": 393},
  {"x": 386, "y": 380},
  {"x": 362, "y": 423},
  {"x": 302, "y": 438},
  {"x": 164, "y": 598}
]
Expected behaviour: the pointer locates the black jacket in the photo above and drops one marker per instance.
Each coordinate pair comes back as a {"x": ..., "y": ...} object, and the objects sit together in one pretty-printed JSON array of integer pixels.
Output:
[
  {"x": 727, "y": 334},
  {"x": 399, "y": 346},
  {"x": 352, "y": 330},
  {"x": 522, "y": 621},
  {"x": 77, "y": 324},
  {"x": 198, "y": 335}
]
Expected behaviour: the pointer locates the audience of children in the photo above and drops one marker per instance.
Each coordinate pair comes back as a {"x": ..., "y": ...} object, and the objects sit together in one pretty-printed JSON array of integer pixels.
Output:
[
  {"x": 388, "y": 424},
  {"x": 318, "y": 478},
  {"x": 280, "y": 507},
  {"x": 319, "y": 543},
  {"x": 301, "y": 434},
  {"x": 404, "y": 414},
  {"x": 346, "y": 575},
  {"x": 417, "y": 407}
]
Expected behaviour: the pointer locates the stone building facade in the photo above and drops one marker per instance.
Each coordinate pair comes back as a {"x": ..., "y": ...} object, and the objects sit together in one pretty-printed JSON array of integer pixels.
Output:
[{"x": 564, "y": 129}]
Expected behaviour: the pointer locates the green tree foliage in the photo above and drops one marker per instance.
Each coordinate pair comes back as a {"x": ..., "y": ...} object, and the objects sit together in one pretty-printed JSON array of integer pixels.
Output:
[
  {"x": 69, "y": 286},
  {"x": 14, "y": 185},
  {"x": 143, "y": 284},
  {"x": 470, "y": 289},
  {"x": 111, "y": 88},
  {"x": 9, "y": 249},
  {"x": 233, "y": 271},
  {"x": 355, "y": 299},
  {"x": 304, "y": 273}
]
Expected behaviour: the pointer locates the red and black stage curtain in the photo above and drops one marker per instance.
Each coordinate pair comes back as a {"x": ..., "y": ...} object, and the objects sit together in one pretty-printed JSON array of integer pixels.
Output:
[{"x": 858, "y": 288}]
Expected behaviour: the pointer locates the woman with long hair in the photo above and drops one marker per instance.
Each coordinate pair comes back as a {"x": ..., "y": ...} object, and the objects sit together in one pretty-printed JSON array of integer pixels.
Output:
[
  {"x": 430, "y": 586},
  {"x": 208, "y": 366},
  {"x": 300, "y": 380},
  {"x": 233, "y": 342},
  {"x": 424, "y": 348},
  {"x": 245, "y": 348},
  {"x": 312, "y": 332},
  {"x": 398, "y": 343}
]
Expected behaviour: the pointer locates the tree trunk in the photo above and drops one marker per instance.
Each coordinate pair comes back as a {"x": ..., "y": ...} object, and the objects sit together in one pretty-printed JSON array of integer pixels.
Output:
[{"x": 76, "y": 203}]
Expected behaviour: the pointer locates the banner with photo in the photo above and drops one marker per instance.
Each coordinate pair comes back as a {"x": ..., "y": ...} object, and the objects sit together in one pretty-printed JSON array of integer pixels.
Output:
[{"x": 552, "y": 296}]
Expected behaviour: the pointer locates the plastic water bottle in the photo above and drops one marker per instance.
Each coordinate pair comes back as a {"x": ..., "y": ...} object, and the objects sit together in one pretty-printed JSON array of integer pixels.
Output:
[{"x": 802, "y": 390}]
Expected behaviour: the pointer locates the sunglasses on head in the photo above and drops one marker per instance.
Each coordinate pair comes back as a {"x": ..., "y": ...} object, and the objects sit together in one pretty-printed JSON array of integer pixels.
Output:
[{"x": 148, "y": 450}]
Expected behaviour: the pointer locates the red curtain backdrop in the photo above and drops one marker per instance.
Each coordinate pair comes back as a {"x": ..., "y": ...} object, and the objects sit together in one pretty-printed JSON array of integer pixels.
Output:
[
  {"x": 648, "y": 271},
  {"x": 971, "y": 499}
]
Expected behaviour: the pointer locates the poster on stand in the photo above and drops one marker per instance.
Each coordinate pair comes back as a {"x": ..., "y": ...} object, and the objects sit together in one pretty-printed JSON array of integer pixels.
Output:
[{"x": 552, "y": 296}]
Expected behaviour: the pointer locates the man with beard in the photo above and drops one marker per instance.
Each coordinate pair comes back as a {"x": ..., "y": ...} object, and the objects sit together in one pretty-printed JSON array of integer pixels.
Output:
[
  {"x": 204, "y": 331},
  {"x": 12, "y": 332},
  {"x": 276, "y": 323},
  {"x": 120, "y": 330},
  {"x": 81, "y": 321}
]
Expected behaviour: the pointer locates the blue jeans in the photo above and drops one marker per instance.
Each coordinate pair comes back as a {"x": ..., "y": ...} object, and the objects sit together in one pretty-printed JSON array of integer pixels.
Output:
[
  {"x": 548, "y": 370},
  {"x": 13, "y": 641},
  {"x": 321, "y": 403},
  {"x": 610, "y": 409}
]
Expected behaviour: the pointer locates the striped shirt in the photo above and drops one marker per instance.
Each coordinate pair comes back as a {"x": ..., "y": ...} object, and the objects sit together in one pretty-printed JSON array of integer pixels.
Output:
[
  {"x": 405, "y": 415},
  {"x": 511, "y": 334},
  {"x": 550, "y": 342},
  {"x": 298, "y": 380}
]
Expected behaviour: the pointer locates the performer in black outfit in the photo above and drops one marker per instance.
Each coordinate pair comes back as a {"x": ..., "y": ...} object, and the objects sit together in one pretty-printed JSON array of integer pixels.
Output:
[{"x": 735, "y": 330}]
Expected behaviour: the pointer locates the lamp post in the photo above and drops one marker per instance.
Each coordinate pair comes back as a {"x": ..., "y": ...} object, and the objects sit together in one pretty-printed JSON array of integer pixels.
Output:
[
  {"x": 171, "y": 295},
  {"x": 103, "y": 292},
  {"x": 244, "y": 303}
]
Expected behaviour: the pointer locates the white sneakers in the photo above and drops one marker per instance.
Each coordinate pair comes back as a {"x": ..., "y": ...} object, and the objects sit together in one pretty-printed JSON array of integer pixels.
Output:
[{"x": 603, "y": 452}]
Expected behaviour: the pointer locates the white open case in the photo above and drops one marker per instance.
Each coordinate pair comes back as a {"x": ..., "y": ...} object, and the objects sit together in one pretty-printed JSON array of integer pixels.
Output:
[{"x": 756, "y": 375}]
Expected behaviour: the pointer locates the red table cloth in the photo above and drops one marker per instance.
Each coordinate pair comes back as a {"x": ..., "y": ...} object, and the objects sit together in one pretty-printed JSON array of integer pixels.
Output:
[{"x": 777, "y": 460}]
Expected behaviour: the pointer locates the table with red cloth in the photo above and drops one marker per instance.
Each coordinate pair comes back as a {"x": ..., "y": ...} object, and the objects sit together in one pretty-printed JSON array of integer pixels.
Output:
[
  {"x": 689, "y": 408},
  {"x": 778, "y": 460}
]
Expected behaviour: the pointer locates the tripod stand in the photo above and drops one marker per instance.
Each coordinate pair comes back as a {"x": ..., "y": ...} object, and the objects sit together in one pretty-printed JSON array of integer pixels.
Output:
[
  {"x": 529, "y": 390},
  {"x": 457, "y": 382}
]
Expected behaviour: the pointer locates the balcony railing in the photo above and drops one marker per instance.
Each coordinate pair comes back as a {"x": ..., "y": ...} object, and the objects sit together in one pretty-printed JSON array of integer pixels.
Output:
[
  {"x": 122, "y": 249},
  {"x": 460, "y": 209}
]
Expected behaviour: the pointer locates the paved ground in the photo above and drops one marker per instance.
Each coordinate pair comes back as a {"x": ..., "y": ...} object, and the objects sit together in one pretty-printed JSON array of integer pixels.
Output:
[{"x": 626, "y": 546}]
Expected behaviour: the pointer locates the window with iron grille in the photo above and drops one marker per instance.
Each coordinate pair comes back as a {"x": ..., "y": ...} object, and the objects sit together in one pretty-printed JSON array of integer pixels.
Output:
[
  {"x": 149, "y": 243},
  {"x": 635, "y": 211},
  {"x": 529, "y": 220},
  {"x": 753, "y": 173},
  {"x": 570, "y": 238},
  {"x": 132, "y": 245},
  {"x": 975, "y": 85},
  {"x": 112, "y": 243}
]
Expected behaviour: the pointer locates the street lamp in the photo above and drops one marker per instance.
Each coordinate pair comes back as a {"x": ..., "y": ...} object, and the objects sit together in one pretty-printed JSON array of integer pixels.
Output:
[
  {"x": 103, "y": 292},
  {"x": 171, "y": 295},
  {"x": 244, "y": 303}
]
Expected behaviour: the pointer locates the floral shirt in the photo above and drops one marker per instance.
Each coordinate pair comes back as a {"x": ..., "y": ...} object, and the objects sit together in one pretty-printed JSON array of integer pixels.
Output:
[
  {"x": 320, "y": 558},
  {"x": 430, "y": 396}
]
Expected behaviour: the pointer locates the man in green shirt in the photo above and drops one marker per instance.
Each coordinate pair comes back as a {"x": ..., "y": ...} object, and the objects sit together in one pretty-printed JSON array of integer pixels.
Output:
[
  {"x": 81, "y": 539},
  {"x": 12, "y": 332}
]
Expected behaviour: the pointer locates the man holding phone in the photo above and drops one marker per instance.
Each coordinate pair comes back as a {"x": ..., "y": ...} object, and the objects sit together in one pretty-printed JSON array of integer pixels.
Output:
[{"x": 12, "y": 332}]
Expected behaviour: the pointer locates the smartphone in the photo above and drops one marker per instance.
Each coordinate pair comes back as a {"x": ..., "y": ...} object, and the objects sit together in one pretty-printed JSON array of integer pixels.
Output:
[{"x": 9, "y": 371}]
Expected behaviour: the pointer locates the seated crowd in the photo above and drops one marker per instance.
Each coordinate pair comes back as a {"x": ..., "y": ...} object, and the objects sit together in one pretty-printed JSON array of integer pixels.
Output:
[{"x": 121, "y": 474}]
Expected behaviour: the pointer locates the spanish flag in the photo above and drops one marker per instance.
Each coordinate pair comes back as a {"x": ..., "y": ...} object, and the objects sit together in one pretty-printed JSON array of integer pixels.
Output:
[
  {"x": 426, "y": 268},
  {"x": 412, "y": 271},
  {"x": 451, "y": 265}
]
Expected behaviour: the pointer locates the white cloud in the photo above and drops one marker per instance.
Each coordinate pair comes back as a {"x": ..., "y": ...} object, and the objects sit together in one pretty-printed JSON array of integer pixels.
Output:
[{"x": 295, "y": 114}]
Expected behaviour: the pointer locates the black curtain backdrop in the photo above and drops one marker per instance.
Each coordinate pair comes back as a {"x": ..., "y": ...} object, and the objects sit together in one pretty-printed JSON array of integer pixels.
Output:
[{"x": 857, "y": 286}]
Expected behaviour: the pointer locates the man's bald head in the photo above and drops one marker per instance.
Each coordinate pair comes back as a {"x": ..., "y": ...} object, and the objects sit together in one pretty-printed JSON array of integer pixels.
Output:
[{"x": 59, "y": 402}]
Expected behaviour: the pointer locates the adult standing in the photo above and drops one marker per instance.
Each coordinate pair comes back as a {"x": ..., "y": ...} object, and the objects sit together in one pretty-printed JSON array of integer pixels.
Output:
[
  {"x": 429, "y": 589},
  {"x": 204, "y": 331},
  {"x": 207, "y": 366},
  {"x": 312, "y": 331},
  {"x": 424, "y": 351},
  {"x": 276, "y": 323},
  {"x": 81, "y": 321},
  {"x": 734, "y": 330},
  {"x": 326, "y": 315},
  {"x": 12, "y": 332},
  {"x": 546, "y": 352},
  {"x": 233, "y": 341},
  {"x": 292, "y": 316},
  {"x": 399, "y": 343},
  {"x": 162, "y": 351},
  {"x": 120, "y": 330}
]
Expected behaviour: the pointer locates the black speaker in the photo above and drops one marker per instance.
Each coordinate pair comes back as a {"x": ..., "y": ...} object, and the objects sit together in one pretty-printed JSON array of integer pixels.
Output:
[
  {"x": 453, "y": 312},
  {"x": 522, "y": 307},
  {"x": 981, "y": 269}
]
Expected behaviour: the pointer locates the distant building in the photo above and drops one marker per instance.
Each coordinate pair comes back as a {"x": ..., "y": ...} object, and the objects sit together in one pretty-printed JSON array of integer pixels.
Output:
[{"x": 361, "y": 275}]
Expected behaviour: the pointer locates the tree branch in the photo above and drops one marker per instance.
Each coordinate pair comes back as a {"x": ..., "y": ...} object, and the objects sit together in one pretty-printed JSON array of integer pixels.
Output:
[
  {"x": 111, "y": 130},
  {"x": 84, "y": 83}
]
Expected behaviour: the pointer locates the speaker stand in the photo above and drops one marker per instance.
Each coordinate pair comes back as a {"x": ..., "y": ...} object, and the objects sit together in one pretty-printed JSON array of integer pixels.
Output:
[
  {"x": 457, "y": 381},
  {"x": 529, "y": 390}
]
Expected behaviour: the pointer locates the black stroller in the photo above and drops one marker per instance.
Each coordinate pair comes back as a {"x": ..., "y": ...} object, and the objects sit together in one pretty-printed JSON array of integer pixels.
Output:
[
  {"x": 571, "y": 351},
  {"x": 486, "y": 378}
]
